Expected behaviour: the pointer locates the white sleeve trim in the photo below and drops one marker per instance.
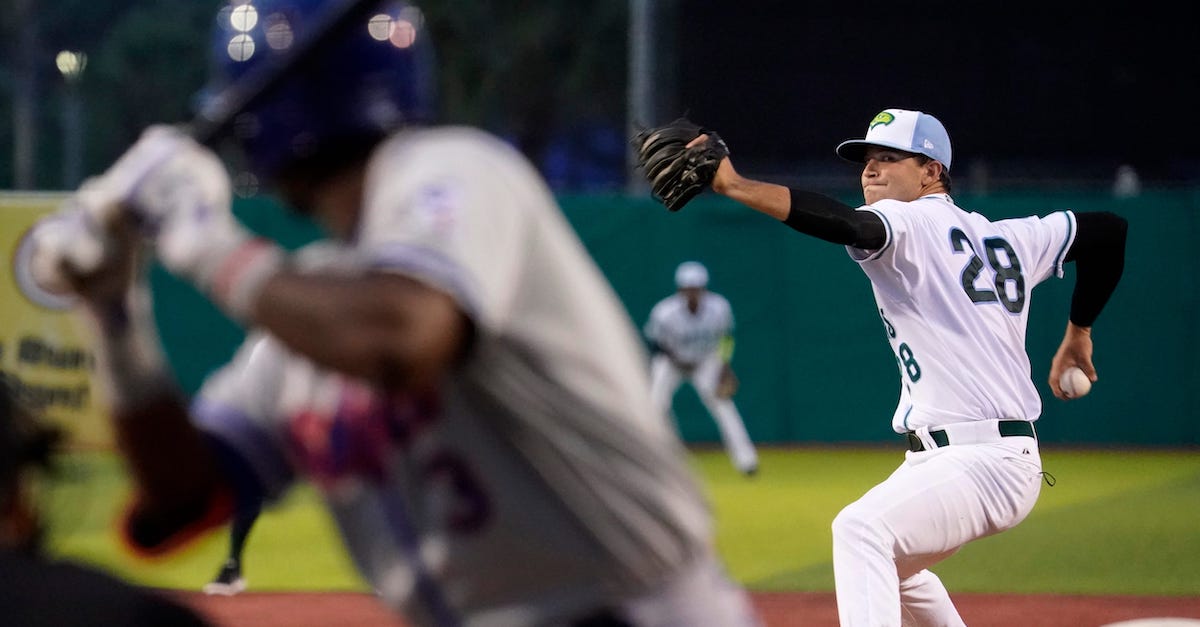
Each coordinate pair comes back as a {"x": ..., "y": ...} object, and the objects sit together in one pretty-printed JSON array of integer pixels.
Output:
[{"x": 1072, "y": 230}]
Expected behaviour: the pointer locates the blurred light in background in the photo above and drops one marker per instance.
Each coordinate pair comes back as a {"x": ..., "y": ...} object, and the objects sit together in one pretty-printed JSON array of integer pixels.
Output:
[
  {"x": 380, "y": 27},
  {"x": 403, "y": 34},
  {"x": 400, "y": 31},
  {"x": 278, "y": 32},
  {"x": 243, "y": 18},
  {"x": 241, "y": 47},
  {"x": 70, "y": 63}
]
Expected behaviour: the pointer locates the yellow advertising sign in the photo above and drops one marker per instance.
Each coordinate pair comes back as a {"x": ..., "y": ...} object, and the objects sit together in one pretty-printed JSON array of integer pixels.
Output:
[{"x": 43, "y": 344}]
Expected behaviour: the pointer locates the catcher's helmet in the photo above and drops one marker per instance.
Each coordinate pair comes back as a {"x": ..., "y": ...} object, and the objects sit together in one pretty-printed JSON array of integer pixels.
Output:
[{"x": 360, "y": 84}]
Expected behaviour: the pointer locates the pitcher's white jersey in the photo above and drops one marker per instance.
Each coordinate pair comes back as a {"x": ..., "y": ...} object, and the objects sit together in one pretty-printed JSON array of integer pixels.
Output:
[
  {"x": 538, "y": 481},
  {"x": 953, "y": 291},
  {"x": 690, "y": 337}
]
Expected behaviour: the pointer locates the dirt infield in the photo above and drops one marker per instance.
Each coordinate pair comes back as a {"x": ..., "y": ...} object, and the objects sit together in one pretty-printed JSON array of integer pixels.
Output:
[{"x": 778, "y": 609}]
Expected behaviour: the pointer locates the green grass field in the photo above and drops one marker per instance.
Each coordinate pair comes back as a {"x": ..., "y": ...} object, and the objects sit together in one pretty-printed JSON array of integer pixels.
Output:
[{"x": 1117, "y": 522}]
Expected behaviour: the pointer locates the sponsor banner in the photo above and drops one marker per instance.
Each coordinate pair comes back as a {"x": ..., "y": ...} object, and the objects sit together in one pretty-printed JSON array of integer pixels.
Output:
[{"x": 43, "y": 343}]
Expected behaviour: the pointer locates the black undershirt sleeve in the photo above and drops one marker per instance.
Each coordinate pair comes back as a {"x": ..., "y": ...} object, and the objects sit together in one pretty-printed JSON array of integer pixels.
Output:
[
  {"x": 1099, "y": 256},
  {"x": 825, "y": 218}
]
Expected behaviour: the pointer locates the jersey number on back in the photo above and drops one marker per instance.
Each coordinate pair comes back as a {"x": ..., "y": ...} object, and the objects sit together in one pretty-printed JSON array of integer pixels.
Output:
[{"x": 1007, "y": 279}]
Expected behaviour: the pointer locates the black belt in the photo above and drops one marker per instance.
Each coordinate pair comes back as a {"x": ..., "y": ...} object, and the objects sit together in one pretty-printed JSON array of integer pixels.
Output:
[{"x": 1008, "y": 428}]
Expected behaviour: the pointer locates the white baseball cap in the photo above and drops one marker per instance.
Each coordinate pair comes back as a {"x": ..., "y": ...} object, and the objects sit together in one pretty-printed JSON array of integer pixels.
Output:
[
  {"x": 691, "y": 274},
  {"x": 910, "y": 131}
]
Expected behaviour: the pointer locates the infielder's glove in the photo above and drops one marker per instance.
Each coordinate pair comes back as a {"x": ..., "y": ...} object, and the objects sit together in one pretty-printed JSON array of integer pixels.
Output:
[
  {"x": 677, "y": 173},
  {"x": 727, "y": 384}
]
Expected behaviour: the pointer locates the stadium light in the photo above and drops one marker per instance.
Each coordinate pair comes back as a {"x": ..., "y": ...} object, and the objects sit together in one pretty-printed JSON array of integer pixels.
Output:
[{"x": 70, "y": 64}]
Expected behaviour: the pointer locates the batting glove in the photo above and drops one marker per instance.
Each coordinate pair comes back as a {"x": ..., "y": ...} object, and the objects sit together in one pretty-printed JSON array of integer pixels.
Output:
[
  {"x": 180, "y": 194},
  {"x": 66, "y": 247}
]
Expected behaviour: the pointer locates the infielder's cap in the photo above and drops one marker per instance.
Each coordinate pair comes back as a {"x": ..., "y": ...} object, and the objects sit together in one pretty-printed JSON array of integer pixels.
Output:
[
  {"x": 910, "y": 131},
  {"x": 691, "y": 274}
]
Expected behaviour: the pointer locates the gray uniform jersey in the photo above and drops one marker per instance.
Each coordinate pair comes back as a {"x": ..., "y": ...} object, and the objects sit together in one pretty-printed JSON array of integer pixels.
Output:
[
  {"x": 954, "y": 289},
  {"x": 690, "y": 337},
  {"x": 538, "y": 482}
]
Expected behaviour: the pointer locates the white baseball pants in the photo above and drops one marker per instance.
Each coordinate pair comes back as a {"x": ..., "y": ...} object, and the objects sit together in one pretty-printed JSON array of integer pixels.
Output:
[
  {"x": 935, "y": 502},
  {"x": 665, "y": 378}
]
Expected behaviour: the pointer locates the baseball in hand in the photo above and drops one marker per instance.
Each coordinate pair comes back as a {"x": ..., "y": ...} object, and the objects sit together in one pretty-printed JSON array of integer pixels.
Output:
[{"x": 1074, "y": 383}]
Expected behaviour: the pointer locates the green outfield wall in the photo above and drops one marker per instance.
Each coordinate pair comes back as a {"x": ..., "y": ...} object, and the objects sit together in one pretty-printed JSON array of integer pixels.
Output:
[{"x": 811, "y": 351}]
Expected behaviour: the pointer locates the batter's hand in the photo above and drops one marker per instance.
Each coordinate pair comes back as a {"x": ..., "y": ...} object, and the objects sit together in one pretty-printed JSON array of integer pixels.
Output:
[
  {"x": 1075, "y": 350},
  {"x": 72, "y": 254},
  {"x": 65, "y": 247},
  {"x": 179, "y": 193}
]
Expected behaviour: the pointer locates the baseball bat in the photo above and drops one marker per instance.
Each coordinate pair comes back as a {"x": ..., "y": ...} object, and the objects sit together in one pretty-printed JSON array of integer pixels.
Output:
[{"x": 218, "y": 114}]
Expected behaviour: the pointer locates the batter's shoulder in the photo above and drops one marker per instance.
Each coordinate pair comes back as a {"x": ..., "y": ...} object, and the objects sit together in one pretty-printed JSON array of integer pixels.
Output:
[
  {"x": 465, "y": 141},
  {"x": 479, "y": 165}
]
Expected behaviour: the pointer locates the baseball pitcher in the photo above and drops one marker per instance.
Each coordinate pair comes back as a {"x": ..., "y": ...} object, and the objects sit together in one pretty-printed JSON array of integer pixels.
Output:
[
  {"x": 691, "y": 337},
  {"x": 953, "y": 291}
]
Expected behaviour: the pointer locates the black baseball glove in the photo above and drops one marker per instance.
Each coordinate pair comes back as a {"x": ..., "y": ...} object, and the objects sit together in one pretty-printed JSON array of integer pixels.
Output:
[{"x": 677, "y": 173}]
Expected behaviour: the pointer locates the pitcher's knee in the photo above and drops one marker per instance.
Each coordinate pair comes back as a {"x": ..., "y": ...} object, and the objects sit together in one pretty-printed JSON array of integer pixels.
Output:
[{"x": 852, "y": 525}]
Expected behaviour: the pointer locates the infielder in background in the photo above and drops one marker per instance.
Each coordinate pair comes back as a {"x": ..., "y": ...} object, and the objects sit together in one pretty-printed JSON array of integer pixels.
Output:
[
  {"x": 452, "y": 371},
  {"x": 691, "y": 336},
  {"x": 953, "y": 291}
]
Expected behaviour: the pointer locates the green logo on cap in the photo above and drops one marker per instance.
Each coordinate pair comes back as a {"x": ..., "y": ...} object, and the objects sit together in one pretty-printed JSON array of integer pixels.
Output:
[{"x": 882, "y": 119}]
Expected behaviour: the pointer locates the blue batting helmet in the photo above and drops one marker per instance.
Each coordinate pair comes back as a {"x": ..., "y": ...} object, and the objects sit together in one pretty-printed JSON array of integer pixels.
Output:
[{"x": 358, "y": 85}]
